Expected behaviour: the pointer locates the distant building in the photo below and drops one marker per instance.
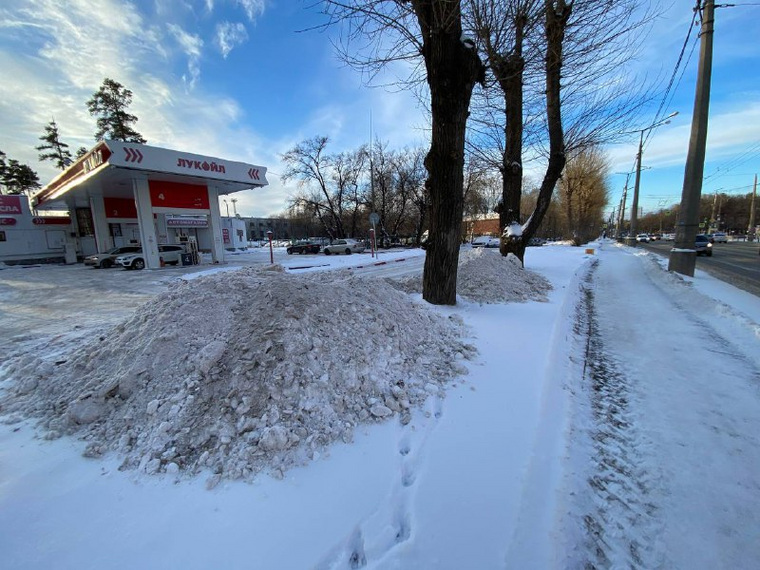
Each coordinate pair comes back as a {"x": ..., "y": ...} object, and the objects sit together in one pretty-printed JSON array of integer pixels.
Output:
[
  {"x": 257, "y": 228},
  {"x": 487, "y": 225}
]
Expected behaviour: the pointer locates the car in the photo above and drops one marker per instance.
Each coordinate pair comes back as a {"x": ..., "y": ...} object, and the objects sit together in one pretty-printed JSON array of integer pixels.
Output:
[
  {"x": 106, "y": 259},
  {"x": 486, "y": 241},
  {"x": 168, "y": 253},
  {"x": 719, "y": 237},
  {"x": 703, "y": 246},
  {"x": 347, "y": 246},
  {"x": 303, "y": 247},
  {"x": 643, "y": 238}
]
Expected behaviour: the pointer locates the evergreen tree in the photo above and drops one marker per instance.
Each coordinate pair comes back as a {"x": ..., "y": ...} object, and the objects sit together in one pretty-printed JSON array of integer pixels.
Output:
[
  {"x": 109, "y": 104},
  {"x": 3, "y": 168},
  {"x": 81, "y": 151},
  {"x": 52, "y": 147},
  {"x": 19, "y": 178}
]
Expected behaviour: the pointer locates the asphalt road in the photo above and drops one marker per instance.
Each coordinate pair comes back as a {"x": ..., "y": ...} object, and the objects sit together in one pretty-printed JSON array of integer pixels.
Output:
[{"x": 737, "y": 263}]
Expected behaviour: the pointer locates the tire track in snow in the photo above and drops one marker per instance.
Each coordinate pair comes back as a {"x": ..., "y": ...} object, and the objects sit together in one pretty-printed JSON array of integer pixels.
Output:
[{"x": 620, "y": 526}]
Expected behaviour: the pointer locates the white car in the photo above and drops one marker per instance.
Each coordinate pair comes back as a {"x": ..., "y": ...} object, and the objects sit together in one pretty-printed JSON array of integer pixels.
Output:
[
  {"x": 486, "y": 241},
  {"x": 643, "y": 238},
  {"x": 720, "y": 237},
  {"x": 169, "y": 254},
  {"x": 347, "y": 246}
]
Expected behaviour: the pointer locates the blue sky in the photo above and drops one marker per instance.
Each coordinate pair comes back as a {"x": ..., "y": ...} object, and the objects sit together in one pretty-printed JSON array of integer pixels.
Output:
[{"x": 236, "y": 79}]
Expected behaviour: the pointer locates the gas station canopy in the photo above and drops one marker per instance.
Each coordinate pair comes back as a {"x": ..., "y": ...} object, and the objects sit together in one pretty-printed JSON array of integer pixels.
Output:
[{"x": 109, "y": 169}]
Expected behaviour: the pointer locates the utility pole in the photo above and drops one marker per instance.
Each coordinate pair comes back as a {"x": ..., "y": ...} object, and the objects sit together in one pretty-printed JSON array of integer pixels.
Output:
[
  {"x": 751, "y": 227},
  {"x": 621, "y": 212},
  {"x": 683, "y": 257},
  {"x": 635, "y": 205}
]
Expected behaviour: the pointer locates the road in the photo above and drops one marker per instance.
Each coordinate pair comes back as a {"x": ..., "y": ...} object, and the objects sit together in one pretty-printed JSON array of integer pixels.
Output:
[{"x": 737, "y": 263}]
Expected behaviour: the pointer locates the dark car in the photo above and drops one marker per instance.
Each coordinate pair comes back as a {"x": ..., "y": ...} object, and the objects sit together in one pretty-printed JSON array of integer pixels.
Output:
[
  {"x": 106, "y": 260},
  {"x": 303, "y": 247},
  {"x": 703, "y": 246}
]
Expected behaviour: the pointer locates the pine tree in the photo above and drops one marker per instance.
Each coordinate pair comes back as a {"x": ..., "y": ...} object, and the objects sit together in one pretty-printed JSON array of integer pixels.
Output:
[
  {"x": 19, "y": 178},
  {"x": 57, "y": 151},
  {"x": 3, "y": 168},
  {"x": 81, "y": 151},
  {"x": 110, "y": 104}
]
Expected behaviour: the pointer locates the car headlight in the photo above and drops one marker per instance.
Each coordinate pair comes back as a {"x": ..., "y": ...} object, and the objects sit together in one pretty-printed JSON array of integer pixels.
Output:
[{"x": 709, "y": 244}]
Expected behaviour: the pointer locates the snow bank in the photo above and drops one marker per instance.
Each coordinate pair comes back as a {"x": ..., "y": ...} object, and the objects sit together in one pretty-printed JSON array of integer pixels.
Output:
[
  {"x": 240, "y": 372},
  {"x": 485, "y": 276}
]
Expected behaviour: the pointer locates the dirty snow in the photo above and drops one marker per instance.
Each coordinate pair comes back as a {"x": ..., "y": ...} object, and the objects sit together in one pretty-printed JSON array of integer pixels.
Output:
[
  {"x": 484, "y": 276},
  {"x": 243, "y": 371}
]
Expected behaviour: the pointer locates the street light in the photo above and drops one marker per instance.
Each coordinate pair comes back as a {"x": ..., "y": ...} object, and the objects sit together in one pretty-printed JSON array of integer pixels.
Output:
[{"x": 635, "y": 204}]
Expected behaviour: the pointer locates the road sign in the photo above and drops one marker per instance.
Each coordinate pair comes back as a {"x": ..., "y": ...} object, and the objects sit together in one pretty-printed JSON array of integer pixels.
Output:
[{"x": 374, "y": 217}]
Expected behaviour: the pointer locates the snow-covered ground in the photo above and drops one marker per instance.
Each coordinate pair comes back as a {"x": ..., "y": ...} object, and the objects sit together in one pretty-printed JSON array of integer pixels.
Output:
[{"x": 611, "y": 420}]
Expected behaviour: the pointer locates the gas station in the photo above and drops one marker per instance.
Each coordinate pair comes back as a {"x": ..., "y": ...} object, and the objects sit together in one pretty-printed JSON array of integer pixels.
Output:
[{"x": 122, "y": 193}]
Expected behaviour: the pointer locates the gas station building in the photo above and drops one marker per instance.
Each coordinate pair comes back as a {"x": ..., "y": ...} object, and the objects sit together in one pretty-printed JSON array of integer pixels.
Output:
[{"x": 122, "y": 193}]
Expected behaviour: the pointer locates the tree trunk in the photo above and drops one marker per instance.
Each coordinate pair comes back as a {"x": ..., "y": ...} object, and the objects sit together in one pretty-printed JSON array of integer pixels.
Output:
[
  {"x": 557, "y": 13},
  {"x": 510, "y": 71},
  {"x": 452, "y": 68}
]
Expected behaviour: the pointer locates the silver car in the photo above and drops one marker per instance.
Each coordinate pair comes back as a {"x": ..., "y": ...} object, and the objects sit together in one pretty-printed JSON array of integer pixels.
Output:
[
  {"x": 347, "y": 246},
  {"x": 107, "y": 259}
]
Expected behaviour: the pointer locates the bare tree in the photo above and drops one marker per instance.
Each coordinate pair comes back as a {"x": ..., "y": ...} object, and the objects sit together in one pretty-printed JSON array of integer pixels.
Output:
[
  {"x": 583, "y": 193},
  {"x": 430, "y": 30},
  {"x": 331, "y": 185},
  {"x": 309, "y": 164},
  {"x": 593, "y": 40}
]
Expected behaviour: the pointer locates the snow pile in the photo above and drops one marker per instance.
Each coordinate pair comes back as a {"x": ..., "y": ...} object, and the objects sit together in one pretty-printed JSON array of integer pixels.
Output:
[
  {"x": 485, "y": 276},
  {"x": 243, "y": 371}
]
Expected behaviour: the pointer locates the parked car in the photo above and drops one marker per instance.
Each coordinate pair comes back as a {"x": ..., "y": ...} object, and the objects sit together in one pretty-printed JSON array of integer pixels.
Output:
[
  {"x": 485, "y": 241},
  {"x": 642, "y": 238},
  {"x": 703, "y": 246},
  {"x": 169, "y": 254},
  {"x": 303, "y": 247},
  {"x": 719, "y": 237},
  {"x": 347, "y": 246},
  {"x": 107, "y": 259}
]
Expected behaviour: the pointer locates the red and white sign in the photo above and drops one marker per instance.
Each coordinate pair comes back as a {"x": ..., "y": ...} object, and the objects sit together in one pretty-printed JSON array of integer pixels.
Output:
[
  {"x": 7, "y": 221},
  {"x": 143, "y": 157},
  {"x": 51, "y": 220},
  {"x": 132, "y": 154},
  {"x": 10, "y": 205}
]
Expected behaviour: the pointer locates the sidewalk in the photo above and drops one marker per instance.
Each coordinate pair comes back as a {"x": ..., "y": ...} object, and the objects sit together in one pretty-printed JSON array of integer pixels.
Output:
[{"x": 665, "y": 471}]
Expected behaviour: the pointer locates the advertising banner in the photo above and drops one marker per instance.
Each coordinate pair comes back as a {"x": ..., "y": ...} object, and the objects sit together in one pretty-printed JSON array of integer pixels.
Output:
[
  {"x": 10, "y": 205},
  {"x": 177, "y": 195},
  {"x": 120, "y": 208}
]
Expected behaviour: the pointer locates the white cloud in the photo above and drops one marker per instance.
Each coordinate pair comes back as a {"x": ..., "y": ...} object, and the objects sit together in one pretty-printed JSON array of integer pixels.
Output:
[
  {"x": 191, "y": 45},
  {"x": 229, "y": 35},
  {"x": 253, "y": 8}
]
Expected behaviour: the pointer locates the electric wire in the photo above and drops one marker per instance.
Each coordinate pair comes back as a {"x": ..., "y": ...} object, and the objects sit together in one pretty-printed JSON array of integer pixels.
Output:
[{"x": 669, "y": 90}]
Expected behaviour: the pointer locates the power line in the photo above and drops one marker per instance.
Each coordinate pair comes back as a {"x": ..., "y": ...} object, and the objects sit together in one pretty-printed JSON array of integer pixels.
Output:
[
  {"x": 667, "y": 94},
  {"x": 751, "y": 152}
]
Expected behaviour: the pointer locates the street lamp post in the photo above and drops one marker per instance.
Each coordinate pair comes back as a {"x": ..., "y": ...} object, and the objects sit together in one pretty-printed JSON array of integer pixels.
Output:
[{"x": 635, "y": 204}]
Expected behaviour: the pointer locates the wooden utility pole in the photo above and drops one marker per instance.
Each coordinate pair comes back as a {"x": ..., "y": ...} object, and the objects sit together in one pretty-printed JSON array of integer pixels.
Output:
[
  {"x": 751, "y": 226},
  {"x": 683, "y": 257}
]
